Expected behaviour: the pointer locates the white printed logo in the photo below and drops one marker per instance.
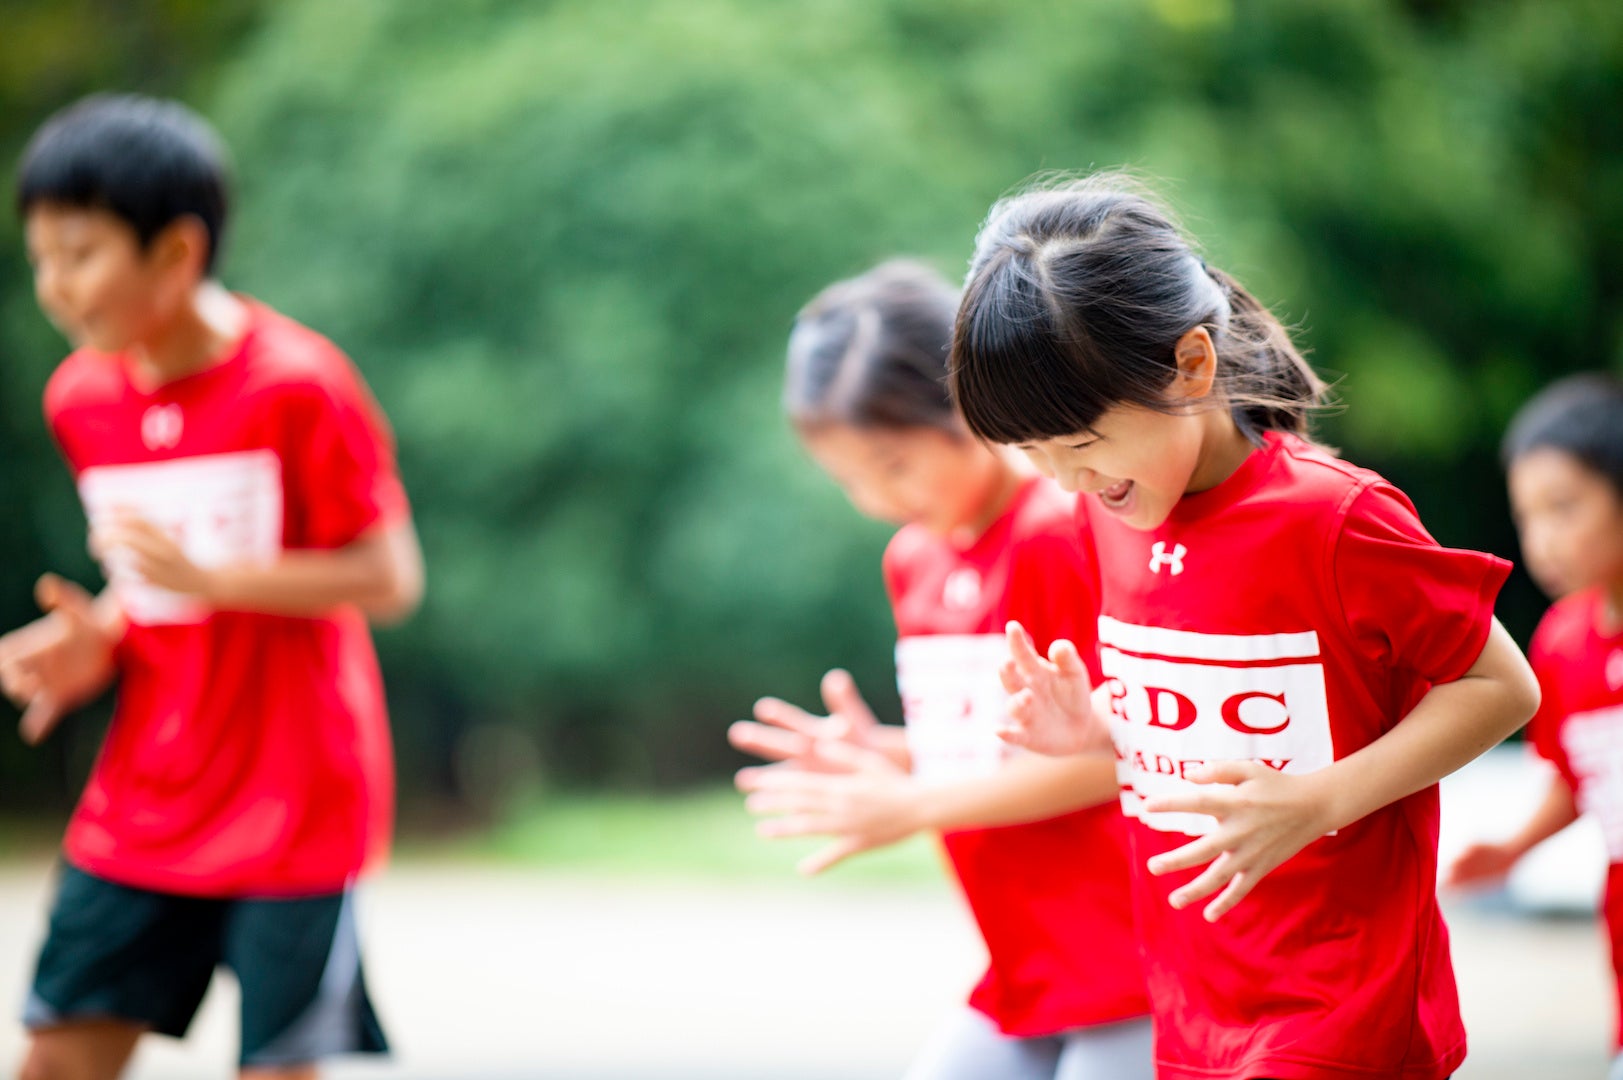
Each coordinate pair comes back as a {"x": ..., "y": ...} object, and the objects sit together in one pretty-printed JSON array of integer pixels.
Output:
[
  {"x": 220, "y": 509},
  {"x": 1594, "y": 744},
  {"x": 953, "y": 702},
  {"x": 1160, "y": 556},
  {"x": 1179, "y": 699},
  {"x": 1614, "y": 670},
  {"x": 962, "y": 590},
  {"x": 161, "y": 426}
]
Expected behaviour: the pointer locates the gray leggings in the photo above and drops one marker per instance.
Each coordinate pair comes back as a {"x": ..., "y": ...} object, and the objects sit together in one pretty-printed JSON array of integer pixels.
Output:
[{"x": 968, "y": 1046}]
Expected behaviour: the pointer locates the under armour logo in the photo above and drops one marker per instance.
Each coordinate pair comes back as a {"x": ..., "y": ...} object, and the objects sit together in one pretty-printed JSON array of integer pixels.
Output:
[
  {"x": 161, "y": 427},
  {"x": 1614, "y": 669},
  {"x": 962, "y": 590},
  {"x": 1160, "y": 556}
]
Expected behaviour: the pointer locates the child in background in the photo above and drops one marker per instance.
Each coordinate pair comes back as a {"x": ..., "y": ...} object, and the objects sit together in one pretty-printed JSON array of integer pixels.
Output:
[
  {"x": 1564, "y": 456},
  {"x": 1291, "y": 661},
  {"x": 241, "y": 490},
  {"x": 1035, "y": 843}
]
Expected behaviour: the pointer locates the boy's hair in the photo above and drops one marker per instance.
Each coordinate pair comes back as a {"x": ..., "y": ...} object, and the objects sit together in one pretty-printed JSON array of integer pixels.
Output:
[
  {"x": 1077, "y": 295},
  {"x": 1580, "y": 415},
  {"x": 871, "y": 352},
  {"x": 148, "y": 162}
]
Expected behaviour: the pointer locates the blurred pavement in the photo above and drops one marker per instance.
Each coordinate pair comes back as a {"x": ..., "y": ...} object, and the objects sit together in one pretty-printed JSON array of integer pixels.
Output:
[{"x": 503, "y": 973}]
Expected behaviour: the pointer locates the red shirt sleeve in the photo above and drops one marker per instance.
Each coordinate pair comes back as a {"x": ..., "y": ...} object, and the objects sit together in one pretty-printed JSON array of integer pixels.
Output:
[
  {"x": 1544, "y": 730},
  {"x": 1409, "y": 602},
  {"x": 1054, "y": 593},
  {"x": 339, "y": 461}
]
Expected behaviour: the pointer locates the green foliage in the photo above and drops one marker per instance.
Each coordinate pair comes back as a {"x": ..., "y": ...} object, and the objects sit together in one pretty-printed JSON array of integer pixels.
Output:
[{"x": 565, "y": 243}]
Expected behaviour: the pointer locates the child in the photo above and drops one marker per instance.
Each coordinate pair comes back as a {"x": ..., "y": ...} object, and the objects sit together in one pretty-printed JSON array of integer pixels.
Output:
[
  {"x": 241, "y": 491},
  {"x": 980, "y": 543},
  {"x": 1564, "y": 455},
  {"x": 1291, "y": 661}
]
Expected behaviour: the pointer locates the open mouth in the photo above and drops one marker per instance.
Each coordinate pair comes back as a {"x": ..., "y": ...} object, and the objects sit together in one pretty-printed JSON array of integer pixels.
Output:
[{"x": 1118, "y": 495}]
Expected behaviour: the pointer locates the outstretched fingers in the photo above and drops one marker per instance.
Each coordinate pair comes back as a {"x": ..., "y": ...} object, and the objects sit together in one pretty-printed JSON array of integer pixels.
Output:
[
  {"x": 845, "y": 703},
  {"x": 767, "y": 741},
  {"x": 779, "y": 713},
  {"x": 1028, "y": 662},
  {"x": 836, "y": 852}
]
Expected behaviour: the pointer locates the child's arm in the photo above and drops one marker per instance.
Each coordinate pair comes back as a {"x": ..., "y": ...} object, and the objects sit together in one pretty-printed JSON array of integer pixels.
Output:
[
  {"x": 1481, "y": 863},
  {"x": 60, "y": 661},
  {"x": 782, "y": 732},
  {"x": 875, "y": 803},
  {"x": 381, "y": 572},
  {"x": 1264, "y": 817}
]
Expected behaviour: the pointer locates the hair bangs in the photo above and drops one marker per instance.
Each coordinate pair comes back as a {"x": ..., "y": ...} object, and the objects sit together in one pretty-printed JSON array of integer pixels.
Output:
[{"x": 1015, "y": 377}]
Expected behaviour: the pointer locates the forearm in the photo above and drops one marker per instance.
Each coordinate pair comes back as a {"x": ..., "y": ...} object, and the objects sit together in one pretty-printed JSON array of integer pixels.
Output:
[
  {"x": 381, "y": 573},
  {"x": 1557, "y": 810},
  {"x": 1453, "y": 724},
  {"x": 1029, "y": 787}
]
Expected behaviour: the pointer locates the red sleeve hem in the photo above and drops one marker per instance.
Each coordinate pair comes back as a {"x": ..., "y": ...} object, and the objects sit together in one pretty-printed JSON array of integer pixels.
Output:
[{"x": 1493, "y": 579}]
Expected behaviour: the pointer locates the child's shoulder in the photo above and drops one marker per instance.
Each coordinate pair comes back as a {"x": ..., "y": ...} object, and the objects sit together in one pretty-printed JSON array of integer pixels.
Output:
[
  {"x": 906, "y": 547},
  {"x": 285, "y": 353},
  {"x": 1315, "y": 468},
  {"x": 1566, "y": 626},
  {"x": 1318, "y": 484},
  {"x": 1043, "y": 524},
  {"x": 85, "y": 377}
]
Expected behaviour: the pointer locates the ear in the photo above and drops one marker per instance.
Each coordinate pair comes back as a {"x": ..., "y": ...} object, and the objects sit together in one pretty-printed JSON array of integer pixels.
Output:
[
  {"x": 182, "y": 246},
  {"x": 1196, "y": 358}
]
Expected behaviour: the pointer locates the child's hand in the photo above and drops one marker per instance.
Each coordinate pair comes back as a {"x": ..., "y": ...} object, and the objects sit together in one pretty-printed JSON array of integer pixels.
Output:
[
  {"x": 1480, "y": 864},
  {"x": 1263, "y": 818},
  {"x": 1048, "y": 709},
  {"x": 55, "y": 663},
  {"x": 869, "y": 804},
  {"x": 781, "y": 732},
  {"x": 140, "y": 547}
]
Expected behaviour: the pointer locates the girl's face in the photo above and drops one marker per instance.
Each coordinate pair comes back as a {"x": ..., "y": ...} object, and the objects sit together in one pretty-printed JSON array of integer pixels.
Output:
[
  {"x": 1136, "y": 462},
  {"x": 1570, "y": 520},
  {"x": 921, "y": 476}
]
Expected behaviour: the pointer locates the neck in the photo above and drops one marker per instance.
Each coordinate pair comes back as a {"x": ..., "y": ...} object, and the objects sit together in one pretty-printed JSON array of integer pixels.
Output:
[
  {"x": 1003, "y": 480},
  {"x": 198, "y": 337},
  {"x": 1223, "y": 450}
]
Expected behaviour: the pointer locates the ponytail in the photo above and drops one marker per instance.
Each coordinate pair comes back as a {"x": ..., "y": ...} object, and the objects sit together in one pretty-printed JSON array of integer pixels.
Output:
[{"x": 1270, "y": 385}]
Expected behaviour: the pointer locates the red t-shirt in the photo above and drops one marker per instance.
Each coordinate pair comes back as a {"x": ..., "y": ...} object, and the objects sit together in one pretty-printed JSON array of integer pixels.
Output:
[
  {"x": 248, "y": 754},
  {"x": 1579, "y": 728},
  {"x": 1050, "y": 897},
  {"x": 1291, "y": 615}
]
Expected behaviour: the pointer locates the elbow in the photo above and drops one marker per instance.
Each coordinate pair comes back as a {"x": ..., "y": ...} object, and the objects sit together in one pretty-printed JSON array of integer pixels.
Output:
[
  {"x": 1528, "y": 695},
  {"x": 398, "y": 599}
]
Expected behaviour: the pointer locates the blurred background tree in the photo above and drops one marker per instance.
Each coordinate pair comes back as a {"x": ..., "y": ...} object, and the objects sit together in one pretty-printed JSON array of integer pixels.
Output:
[{"x": 565, "y": 243}]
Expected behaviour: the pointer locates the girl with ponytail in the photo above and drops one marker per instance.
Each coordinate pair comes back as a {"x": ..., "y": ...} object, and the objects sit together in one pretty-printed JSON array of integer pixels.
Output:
[{"x": 1290, "y": 662}]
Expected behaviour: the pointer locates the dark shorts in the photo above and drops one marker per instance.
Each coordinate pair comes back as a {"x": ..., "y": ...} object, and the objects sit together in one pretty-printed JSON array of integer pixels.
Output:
[{"x": 121, "y": 953}]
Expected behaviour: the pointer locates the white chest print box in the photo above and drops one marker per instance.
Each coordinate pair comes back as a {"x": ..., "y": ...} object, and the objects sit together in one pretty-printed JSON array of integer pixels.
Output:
[
  {"x": 1594, "y": 744},
  {"x": 953, "y": 702},
  {"x": 221, "y": 509},
  {"x": 1178, "y": 699}
]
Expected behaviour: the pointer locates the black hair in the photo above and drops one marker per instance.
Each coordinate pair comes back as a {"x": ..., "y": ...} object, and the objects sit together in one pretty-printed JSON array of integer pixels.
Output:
[
  {"x": 147, "y": 161},
  {"x": 1580, "y": 415},
  {"x": 871, "y": 352},
  {"x": 1078, "y": 293}
]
